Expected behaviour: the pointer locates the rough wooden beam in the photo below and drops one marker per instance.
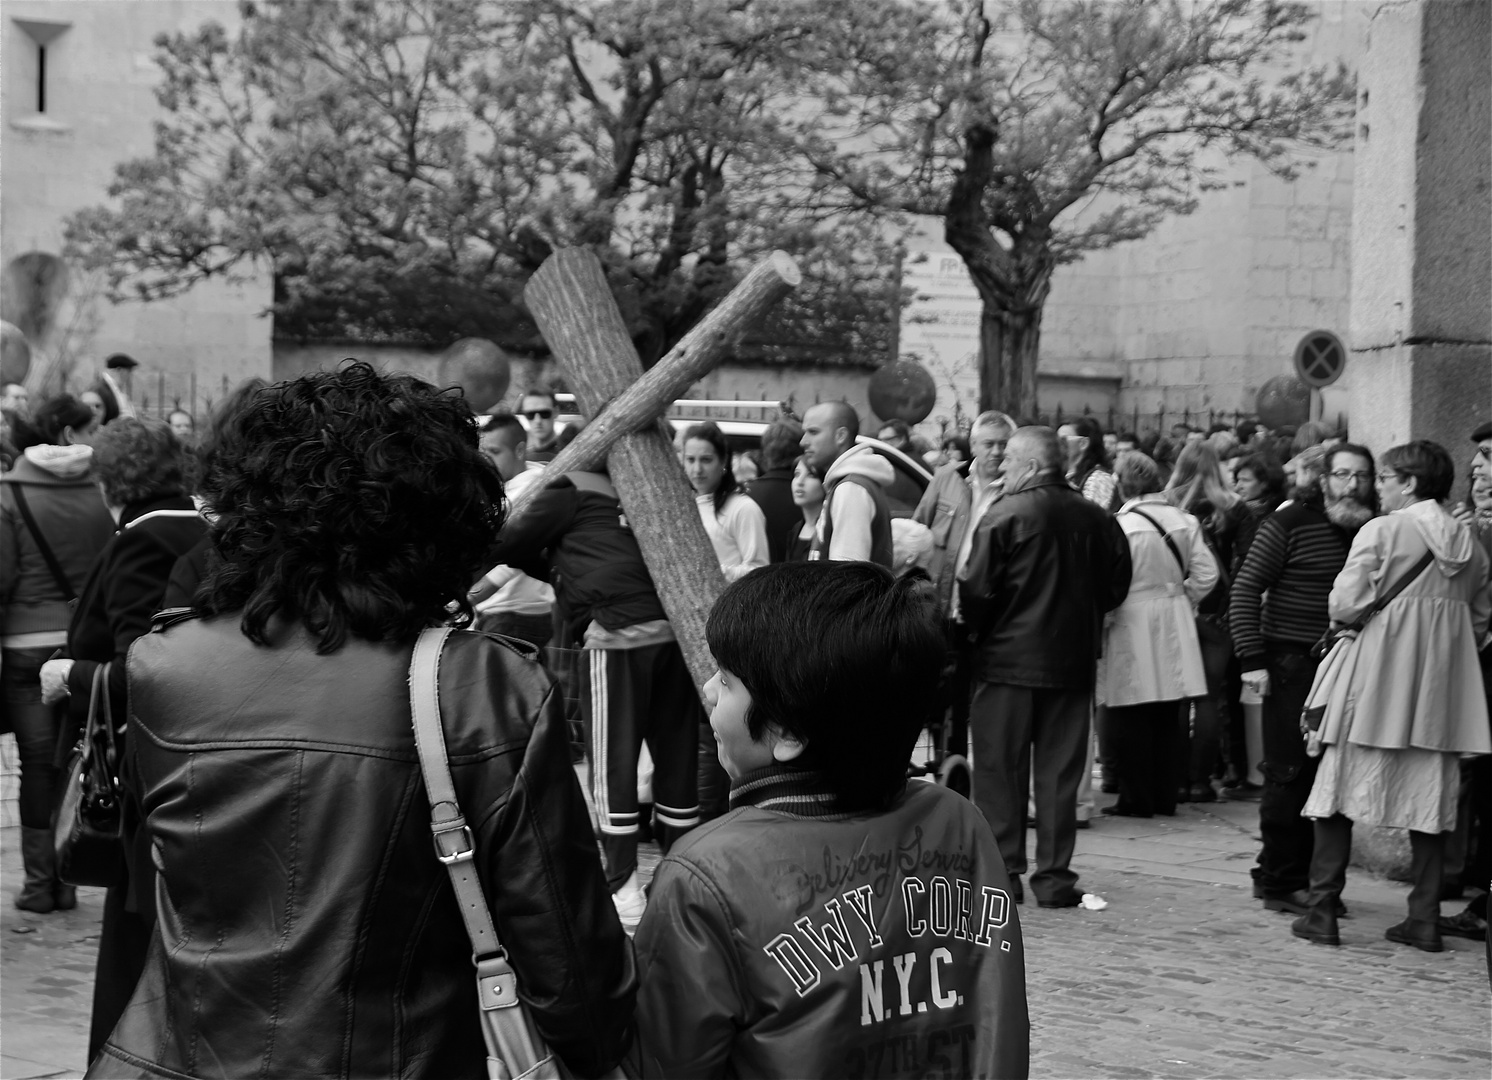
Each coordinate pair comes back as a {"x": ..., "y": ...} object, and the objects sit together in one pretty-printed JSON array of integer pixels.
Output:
[
  {"x": 699, "y": 353},
  {"x": 575, "y": 311}
]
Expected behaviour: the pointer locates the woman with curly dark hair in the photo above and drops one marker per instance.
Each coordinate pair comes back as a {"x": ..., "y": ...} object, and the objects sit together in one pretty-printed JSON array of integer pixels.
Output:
[{"x": 273, "y": 759}]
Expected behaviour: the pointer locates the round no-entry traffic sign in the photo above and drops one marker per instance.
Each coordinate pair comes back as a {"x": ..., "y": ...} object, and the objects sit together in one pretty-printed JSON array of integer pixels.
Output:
[{"x": 1320, "y": 359}]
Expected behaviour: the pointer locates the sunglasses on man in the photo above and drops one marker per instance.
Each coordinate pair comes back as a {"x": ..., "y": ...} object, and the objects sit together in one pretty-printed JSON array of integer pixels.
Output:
[{"x": 537, "y": 414}]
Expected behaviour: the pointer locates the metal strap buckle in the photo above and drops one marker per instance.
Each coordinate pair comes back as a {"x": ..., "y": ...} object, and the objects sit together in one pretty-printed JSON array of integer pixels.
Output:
[{"x": 463, "y": 853}]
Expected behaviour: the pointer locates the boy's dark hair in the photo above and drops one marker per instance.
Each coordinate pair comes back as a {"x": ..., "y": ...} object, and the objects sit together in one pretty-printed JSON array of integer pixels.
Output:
[{"x": 842, "y": 656}]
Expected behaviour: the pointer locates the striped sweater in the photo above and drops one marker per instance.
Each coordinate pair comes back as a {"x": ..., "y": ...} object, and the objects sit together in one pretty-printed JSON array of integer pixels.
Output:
[{"x": 1294, "y": 558}]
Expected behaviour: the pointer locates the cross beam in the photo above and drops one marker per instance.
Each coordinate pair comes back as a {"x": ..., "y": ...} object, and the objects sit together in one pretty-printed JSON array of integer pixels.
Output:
[{"x": 573, "y": 306}]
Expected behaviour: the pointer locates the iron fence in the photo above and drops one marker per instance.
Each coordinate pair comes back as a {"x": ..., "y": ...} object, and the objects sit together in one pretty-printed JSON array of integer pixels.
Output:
[{"x": 160, "y": 393}]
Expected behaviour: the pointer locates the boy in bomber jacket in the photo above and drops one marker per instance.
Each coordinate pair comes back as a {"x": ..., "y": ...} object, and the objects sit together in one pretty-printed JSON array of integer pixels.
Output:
[{"x": 838, "y": 921}]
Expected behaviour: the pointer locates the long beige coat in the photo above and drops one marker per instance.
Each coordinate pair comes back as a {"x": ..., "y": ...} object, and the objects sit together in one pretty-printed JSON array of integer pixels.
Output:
[
  {"x": 1150, "y": 648},
  {"x": 1417, "y": 682},
  {"x": 1409, "y": 699}
]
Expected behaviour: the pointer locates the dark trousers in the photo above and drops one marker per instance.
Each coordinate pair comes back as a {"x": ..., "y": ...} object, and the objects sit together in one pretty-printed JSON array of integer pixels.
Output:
[
  {"x": 1206, "y": 731},
  {"x": 123, "y": 939},
  {"x": 1010, "y": 726},
  {"x": 1285, "y": 857},
  {"x": 955, "y": 689},
  {"x": 1148, "y": 752},
  {"x": 1333, "y": 849},
  {"x": 36, "y": 728},
  {"x": 1468, "y": 850},
  {"x": 628, "y": 695}
]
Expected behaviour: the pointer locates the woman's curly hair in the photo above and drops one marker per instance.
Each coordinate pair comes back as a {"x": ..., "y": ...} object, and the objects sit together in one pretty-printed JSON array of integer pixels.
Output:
[
  {"x": 350, "y": 502},
  {"x": 137, "y": 461}
]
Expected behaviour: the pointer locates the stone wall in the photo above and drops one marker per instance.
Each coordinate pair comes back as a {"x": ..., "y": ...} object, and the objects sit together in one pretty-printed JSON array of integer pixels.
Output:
[
  {"x": 1210, "y": 306},
  {"x": 1421, "y": 362}
]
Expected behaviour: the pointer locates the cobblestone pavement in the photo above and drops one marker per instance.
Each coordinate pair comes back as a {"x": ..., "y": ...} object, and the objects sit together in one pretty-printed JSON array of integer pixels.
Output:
[{"x": 1182, "y": 975}]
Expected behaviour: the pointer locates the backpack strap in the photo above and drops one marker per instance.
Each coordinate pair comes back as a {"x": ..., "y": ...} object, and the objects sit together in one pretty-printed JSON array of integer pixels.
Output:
[{"x": 58, "y": 575}]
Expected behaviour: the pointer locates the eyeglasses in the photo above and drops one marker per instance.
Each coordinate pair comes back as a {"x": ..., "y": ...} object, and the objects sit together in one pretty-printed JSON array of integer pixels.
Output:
[
  {"x": 1387, "y": 477},
  {"x": 1348, "y": 474},
  {"x": 537, "y": 414}
]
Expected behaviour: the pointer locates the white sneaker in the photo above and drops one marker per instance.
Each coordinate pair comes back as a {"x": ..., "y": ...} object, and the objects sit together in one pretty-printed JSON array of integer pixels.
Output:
[{"x": 630, "y": 903}]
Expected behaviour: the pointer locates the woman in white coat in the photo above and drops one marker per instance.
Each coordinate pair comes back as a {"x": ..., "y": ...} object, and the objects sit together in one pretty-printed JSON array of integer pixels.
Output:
[
  {"x": 1151, "y": 657},
  {"x": 1410, "y": 700},
  {"x": 733, "y": 521}
]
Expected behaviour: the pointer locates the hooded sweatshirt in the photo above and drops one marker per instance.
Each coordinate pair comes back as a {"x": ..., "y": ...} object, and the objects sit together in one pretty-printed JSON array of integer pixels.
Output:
[
  {"x": 856, "y": 520},
  {"x": 69, "y": 511}
]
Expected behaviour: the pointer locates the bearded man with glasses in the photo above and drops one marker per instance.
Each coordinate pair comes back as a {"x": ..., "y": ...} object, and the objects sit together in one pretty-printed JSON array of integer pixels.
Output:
[{"x": 1294, "y": 558}]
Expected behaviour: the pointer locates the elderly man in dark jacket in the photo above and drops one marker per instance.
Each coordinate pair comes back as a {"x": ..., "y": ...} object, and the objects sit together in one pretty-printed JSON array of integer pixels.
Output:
[{"x": 1045, "y": 566}]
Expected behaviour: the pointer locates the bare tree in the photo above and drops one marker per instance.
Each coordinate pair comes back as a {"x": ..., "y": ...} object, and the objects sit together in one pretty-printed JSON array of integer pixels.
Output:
[
  {"x": 1005, "y": 120},
  {"x": 402, "y": 166}
]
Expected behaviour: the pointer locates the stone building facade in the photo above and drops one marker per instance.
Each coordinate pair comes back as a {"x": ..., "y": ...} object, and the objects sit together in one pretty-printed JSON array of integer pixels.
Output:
[{"x": 77, "y": 83}]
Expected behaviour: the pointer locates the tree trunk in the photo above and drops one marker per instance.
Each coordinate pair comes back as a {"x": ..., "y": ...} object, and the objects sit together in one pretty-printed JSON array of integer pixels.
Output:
[
  {"x": 1013, "y": 282},
  {"x": 1009, "y": 346}
]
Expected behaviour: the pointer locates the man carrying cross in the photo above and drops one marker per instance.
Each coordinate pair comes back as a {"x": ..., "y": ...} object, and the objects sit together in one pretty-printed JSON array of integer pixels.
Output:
[{"x": 635, "y": 684}]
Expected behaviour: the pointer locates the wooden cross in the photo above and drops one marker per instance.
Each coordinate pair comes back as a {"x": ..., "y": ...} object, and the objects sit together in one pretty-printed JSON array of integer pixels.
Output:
[{"x": 578, "y": 317}]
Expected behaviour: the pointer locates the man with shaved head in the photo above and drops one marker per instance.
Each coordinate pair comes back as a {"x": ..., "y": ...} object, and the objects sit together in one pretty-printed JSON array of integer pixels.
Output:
[
  {"x": 855, "y": 522},
  {"x": 1044, "y": 567}
]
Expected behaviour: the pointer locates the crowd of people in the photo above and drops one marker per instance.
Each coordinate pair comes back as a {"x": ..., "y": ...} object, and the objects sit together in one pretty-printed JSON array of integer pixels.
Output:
[{"x": 1065, "y": 608}]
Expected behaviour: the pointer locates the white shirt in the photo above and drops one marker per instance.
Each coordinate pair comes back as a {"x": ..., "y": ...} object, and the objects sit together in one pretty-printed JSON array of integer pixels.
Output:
[
  {"x": 516, "y": 591},
  {"x": 738, "y": 532}
]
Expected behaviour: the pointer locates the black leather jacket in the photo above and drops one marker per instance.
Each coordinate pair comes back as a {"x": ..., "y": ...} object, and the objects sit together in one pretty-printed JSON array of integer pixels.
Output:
[
  {"x": 306, "y": 928},
  {"x": 1046, "y": 565}
]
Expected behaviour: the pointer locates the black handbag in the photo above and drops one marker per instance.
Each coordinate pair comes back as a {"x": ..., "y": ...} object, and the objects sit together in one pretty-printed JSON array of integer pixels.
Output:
[{"x": 87, "y": 831}]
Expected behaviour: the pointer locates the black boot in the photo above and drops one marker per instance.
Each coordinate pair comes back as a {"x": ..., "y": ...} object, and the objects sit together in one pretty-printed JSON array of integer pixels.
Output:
[
  {"x": 64, "y": 896},
  {"x": 1422, "y": 929},
  {"x": 41, "y": 870},
  {"x": 1331, "y": 849},
  {"x": 1318, "y": 924}
]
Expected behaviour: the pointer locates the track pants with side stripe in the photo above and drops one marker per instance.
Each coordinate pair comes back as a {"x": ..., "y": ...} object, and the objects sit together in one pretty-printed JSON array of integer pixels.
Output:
[{"x": 628, "y": 695}]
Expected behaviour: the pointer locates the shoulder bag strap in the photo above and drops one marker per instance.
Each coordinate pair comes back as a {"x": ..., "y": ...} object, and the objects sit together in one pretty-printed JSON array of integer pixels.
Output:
[
  {"x": 497, "y": 986},
  {"x": 41, "y": 542},
  {"x": 1399, "y": 586},
  {"x": 1176, "y": 551},
  {"x": 161, "y": 514}
]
